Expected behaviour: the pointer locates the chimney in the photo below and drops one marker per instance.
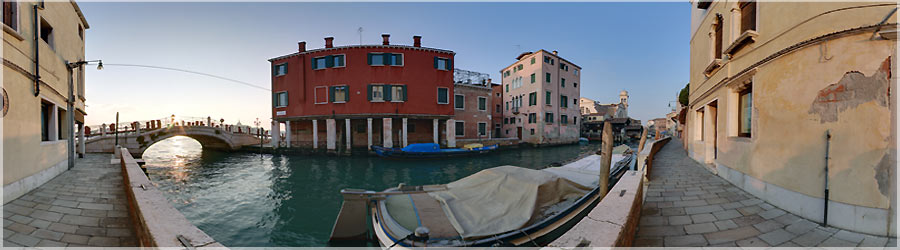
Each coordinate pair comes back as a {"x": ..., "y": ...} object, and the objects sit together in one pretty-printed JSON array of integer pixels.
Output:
[
  {"x": 301, "y": 46},
  {"x": 555, "y": 52},
  {"x": 386, "y": 39},
  {"x": 328, "y": 42},
  {"x": 417, "y": 41}
]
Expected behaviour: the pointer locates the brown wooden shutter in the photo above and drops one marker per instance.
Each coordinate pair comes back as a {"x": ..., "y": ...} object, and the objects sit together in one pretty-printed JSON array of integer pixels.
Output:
[
  {"x": 719, "y": 37},
  {"x": 748, "y": 16}
]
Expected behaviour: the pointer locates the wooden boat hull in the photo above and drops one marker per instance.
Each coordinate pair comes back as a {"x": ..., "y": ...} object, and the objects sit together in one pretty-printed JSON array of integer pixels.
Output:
[{"x": 400, "y": 154}]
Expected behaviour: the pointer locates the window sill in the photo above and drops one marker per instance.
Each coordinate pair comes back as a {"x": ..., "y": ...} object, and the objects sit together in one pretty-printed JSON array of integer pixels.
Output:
[
  {"x": 52, "y": 142},
  {"x": 443, "y": 103},
  {"x": 459, "y": 108},
  {"x": 13, "y": 32},
  {"x": 340, "y": 102},
  {"x": 740, "y": 139},
  {"x": 398, "y": 101},
  {"x": 747, "y": 37},
  {"x": 278, "y": 107},
  {"x": 376, "y": 100},
  {"x": 712, "y": 67}
]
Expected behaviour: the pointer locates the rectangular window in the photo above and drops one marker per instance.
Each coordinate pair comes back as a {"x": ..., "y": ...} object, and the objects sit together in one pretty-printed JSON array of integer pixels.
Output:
[
  {"x": 443, "y": 63},
  {"x": 498, "y": 109},
  {"x": 321, "y": 94},
  {"x": 46, "y": 119},
  {"x": 61, "y": 131},
  {"x": 337, "y": 60},
  {"x": 520, "y": 67},
  {"x": 532, "y": 60},
  {"x": 443, "y": 96},
  {"x": 548, "y": 117},
  {"x": 507, "y": 105},
  {"x": 546, "y": 59},
  {"x": 395, "y": 59},
  {"x": 532, "y": 98},
  {"x": 80, "y": 32},
  {"x": 532, "y": 77},
  {"x": 482, "y": 103},
  {"x": 718, "y": 46},
  {"x": 459, "y": 102},
  {"x": 549, "y": 99},
  {"x": 575, "y": 84},
  {"x": 482, "y": 129},
  {"x": 507, "y": 88},
  {"x": 564, "y": 119},
  {"x": 280, "y": 99},
  {"x": 460, "y": 128},
  {"x": 376, "y": 93},
  {"x": 280, "y": 69},
  {"x": 320, "y": 63},
  {"x": 398, "y": 93},
  {"x": 548, "y": 77},
  {"x": 563, "y": 102},
  {"x": 576, "y": 72},
  {"x": 562, "y": 82},
  {"x": 47, "y": 33},
  {"x": 11, "y": 14},
  {"x": 532, "y": 118},
  {"x": 748, "y": 15},
  {"x": 340, "y": 94},
  {"x": 745, "y": 114},
  {"x": 376, "y": 59}
]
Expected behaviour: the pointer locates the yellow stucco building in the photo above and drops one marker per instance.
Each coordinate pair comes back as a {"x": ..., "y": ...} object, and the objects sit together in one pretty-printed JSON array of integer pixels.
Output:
[
  {"x": 39, "y": 38},
  {"x": 770, "y": 80}
]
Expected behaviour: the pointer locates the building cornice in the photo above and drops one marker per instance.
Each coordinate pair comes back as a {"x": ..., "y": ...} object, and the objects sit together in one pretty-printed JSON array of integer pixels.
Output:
[
  {"x": 407, "y": 47},
  {"x": 740, "y": 75},
  {"x": 80, "y": 14}
]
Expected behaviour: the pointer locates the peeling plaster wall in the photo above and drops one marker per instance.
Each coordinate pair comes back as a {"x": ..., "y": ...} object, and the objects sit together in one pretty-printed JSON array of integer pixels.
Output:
[{"x": 841, "y": 85}]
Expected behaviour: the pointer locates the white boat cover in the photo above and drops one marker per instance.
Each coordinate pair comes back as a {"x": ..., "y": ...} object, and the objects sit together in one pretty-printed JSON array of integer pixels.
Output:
[
  {"x": 585, "y": 171},
  {"x": 503, "y": 199}
]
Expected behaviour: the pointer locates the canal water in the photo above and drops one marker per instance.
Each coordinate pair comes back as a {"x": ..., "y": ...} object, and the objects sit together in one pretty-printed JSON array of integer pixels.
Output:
[{"x": 254, "y": 200}]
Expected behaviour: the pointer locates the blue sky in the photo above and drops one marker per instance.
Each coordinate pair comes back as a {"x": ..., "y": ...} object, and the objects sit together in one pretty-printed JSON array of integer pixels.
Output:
[{"x": 639, "y": 47}]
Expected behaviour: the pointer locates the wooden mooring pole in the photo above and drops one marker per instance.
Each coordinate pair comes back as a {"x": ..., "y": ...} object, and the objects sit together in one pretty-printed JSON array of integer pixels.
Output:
[
  {"x": 643, "y": 139},
  {"x": 605, "y": 158}
]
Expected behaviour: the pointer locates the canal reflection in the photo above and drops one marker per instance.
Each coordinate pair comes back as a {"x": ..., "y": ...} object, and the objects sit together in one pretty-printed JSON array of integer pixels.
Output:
[{"x": 244, "y": 199}]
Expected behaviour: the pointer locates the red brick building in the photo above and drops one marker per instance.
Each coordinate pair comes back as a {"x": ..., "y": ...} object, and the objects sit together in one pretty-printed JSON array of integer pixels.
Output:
[
  {"x": 362, "y": 95},
  {"x": 472, "y": 107}
]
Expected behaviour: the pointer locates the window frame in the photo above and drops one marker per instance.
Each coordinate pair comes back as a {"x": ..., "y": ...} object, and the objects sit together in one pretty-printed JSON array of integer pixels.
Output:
[
  {"x": 316, "y": 94},
  {"x": 564, "y": 119},
  {"x": 463, "y": 102},
  {"x": 279, "y": 66},
  {"x": 447, "y": 63},
  {"x": 372, "y": 61},
  {"x": 548, "y": 99},
  {"x": 346, "y": 91},
  {"x": 372, "y": 97},
  {"x": 15, "y": 18},
  {"x": 548, "y": 117},
  {"x": 400, "y": 98},
  {"x": 457, "y": 128},
  {"x": 278, "y": 99},
  {"x": 439, "y": 95},
  {"x": 479, "y": 131},
  {"x": 740, "y": 112},
  {"x": 563, "y": 101},
  {"x": 548, "y": 77},
  {"x": 480, "y": 98}
]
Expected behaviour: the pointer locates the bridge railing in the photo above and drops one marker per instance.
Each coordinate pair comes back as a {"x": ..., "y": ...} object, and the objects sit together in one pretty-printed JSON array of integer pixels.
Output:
[{"x": 131, "y": 127}]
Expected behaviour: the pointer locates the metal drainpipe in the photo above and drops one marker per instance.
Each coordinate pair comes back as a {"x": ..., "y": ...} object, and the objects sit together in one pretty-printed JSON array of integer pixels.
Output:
[
  {"x": 827, "y": 147},
  {"x": 70, "y": 116},
  {"x": 558, "y": 97},
  {"x": 37, "y": 57}
]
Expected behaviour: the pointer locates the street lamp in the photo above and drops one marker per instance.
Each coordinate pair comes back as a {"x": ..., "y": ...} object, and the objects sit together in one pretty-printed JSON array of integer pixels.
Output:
[{"x": 70, "y": 104}]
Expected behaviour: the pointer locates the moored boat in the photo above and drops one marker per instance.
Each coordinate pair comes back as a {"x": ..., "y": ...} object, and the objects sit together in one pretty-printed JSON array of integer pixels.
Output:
[
  {"x": 430, "y": 150},
  {"x": 501, "y": 206}
]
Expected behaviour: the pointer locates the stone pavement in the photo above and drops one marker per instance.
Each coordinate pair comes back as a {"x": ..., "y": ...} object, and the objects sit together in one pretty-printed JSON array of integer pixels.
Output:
[
  {"x": 686, "y": 205},
  {"x": 84, "y": 206}
]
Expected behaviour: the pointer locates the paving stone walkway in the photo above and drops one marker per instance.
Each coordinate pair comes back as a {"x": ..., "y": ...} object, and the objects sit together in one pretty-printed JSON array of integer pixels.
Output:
[
  {"x": 84, "y": 206},
  {"x": 687, "y": 206}
]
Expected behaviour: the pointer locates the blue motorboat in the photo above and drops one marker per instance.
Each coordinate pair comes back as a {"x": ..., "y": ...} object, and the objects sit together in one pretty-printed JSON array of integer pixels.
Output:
[{"x": 429, "y": 150}]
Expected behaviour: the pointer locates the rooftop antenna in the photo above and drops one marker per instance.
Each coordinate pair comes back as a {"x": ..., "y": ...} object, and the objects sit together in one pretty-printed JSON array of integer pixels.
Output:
[{"x": 360, "y": 30}]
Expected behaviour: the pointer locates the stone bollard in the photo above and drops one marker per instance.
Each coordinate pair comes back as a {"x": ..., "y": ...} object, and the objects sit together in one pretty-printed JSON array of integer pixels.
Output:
[{"x": 605, "y": 158}]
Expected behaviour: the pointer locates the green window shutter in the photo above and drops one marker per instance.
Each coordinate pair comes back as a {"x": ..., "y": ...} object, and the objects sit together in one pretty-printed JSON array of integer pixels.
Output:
[
  {"x": 399, "y": 58},
  {"x": 369, "y": 56},
  {"x": 369, "y": 92},
  {"x": 330, "y": 94},
  {"x": 343, "y": 61},
  {"x": 347, "y": 93},
  {"x": 386, "y": 58},
  {"x": 449, "y": 64},
  {"x": 274, "y": 68},
  {"x": 532, "y": 75},
  {"x": 387, "y": 92},
  {"x": 404, "y": 92},
  {"x": 435, "y": 62},
  {"x": 563, "y": 82},
  {"x": 548, "y": 98},
  {"x": 285, "y": 68},
  {"x": 312, "y": 63},
  {"x": 329, "y": 61},
  {"x": 274, "y": 99},
  {"x": 286, "y": 99},
  {"x": 548, "y": 77}
]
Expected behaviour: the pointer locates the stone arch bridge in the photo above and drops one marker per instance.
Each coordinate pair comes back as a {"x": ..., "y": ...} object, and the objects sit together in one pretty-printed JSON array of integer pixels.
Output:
[{"x": 138, "y": 138}]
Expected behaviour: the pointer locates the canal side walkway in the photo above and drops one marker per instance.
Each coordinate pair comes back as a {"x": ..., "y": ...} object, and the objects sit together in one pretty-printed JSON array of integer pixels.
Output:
[
  {"x": 85, "y": 206},
  {"x": 688, "y": 206}
]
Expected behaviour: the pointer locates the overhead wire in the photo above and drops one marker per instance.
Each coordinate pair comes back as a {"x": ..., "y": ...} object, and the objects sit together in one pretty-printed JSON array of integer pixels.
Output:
[{"x": 189, "y": 71}]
